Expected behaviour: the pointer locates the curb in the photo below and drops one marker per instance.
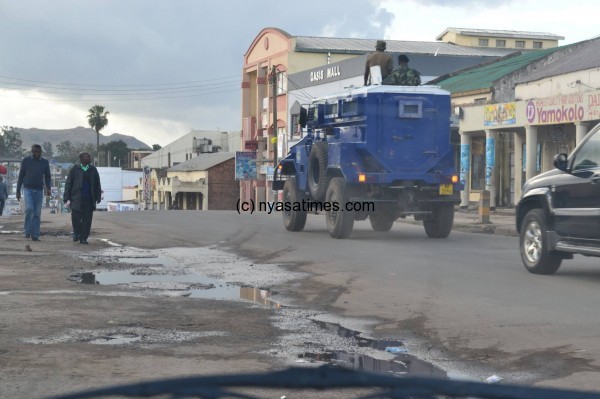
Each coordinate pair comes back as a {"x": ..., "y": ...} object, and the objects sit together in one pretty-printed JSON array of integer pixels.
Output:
[{"x": 477, "y": 228}]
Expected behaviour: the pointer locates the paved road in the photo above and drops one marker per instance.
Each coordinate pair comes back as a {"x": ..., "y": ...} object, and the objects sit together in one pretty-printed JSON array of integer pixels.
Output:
[{"x": 465, "y": 302}]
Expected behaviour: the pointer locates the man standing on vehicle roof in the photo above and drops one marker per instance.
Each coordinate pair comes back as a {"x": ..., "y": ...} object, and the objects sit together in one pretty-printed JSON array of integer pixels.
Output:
[
  {"x": 403, "y": 75},
  {"x": 378, "y": 58}
]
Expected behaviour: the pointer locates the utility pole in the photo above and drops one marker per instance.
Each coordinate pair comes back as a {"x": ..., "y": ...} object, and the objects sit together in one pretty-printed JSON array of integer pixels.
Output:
[{"x": 275, "y": 138}]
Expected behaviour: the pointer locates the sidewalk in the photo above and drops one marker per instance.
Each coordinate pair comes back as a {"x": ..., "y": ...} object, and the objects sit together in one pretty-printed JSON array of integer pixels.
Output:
[{"x": 502, "y": 221}]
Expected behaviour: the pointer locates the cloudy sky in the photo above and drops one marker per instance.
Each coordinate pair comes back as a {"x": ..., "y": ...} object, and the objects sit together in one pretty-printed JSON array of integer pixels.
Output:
[{"x": 163, "y": 67}]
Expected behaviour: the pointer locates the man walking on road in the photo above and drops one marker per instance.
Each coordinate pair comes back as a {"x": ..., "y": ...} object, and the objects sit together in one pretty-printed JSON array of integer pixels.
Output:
[
  {"x": 82, "y": 192},
  {"x": 3, "y": 194},
  {"x": 35, "y": 172}
]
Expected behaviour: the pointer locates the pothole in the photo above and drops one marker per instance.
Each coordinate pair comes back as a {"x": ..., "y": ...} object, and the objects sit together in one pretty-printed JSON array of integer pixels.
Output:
[
  {"x": 116, "y": 339},
  {"x": 210, "y": 273},
  {"x": 401, "y": 365},
  {"x": 206, "y": 273},
  {"x": 191, "y": 285}
]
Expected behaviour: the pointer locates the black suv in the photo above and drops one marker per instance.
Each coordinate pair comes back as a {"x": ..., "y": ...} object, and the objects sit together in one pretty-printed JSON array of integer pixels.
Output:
[{"x": 559, "y": 211}]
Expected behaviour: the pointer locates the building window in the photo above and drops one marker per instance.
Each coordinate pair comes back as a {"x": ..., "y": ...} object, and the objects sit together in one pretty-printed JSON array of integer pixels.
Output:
[
  {"x": 520, "y": 44},
  {"x": 500, "y": 43},
  {"x": 281, "y": 83},
  {"x": 479, "y": 101},
  {"x": 537, "y": 45},
  {"x": 484, "y": 42}
]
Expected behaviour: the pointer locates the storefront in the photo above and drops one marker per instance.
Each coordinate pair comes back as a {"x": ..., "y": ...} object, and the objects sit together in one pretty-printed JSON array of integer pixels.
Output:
[{"x": 503, "y": 145}]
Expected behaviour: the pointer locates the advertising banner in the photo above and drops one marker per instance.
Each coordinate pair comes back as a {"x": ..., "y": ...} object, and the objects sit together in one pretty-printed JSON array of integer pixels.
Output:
[
  {"x": 490, "y": 160},
  {"x": 465, "y": 164},
  {"x": 118, "y": 207},
  {"x": 245, "y": 165},
  {"x": 500, "y": 114}
]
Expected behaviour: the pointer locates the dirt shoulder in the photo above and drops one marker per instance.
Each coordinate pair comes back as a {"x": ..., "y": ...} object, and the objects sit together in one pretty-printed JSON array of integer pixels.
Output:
[{"x": 59, "y": 336}]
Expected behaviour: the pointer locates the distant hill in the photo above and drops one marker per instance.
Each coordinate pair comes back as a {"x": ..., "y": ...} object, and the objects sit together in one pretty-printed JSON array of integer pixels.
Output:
[{"x": 78, "y": 135}]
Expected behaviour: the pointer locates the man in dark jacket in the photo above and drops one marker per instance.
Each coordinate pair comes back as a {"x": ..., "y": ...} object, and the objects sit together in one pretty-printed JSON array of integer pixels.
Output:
[
  {"x": 3, "y": 194},
  {"x": 82, "y": 193},
  {"x": 378, "y": 58},
  {"x": 34, "y": 174}
]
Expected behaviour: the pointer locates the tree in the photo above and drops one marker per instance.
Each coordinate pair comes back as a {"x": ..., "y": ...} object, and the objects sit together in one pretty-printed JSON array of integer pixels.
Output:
[
  {"x": 97, "y": 118},
  {"x": 66, "y": 151},
  {"x": 11, "y": 143},
  {"x": 84, "y": 147},
  {"x": 118, "y": 151},
  {"x": 156, "y": 147},
  {"x": 47, "y": 148}
]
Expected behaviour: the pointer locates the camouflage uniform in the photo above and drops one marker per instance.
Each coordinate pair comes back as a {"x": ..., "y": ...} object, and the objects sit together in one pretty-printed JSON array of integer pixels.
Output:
[{"x": 403, "y": 76}]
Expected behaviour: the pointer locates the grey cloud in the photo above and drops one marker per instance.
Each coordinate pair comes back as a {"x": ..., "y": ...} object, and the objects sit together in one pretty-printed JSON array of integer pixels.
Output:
[{"x": 140, "y": 42}]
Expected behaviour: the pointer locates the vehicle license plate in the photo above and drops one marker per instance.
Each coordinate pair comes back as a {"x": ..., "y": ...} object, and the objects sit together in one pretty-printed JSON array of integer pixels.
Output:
[{"x": 445, "y": 189}]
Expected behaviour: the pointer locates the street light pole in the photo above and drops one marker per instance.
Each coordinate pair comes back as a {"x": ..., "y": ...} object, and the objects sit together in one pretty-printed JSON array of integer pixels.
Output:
[{"x": 275, "y": 135}]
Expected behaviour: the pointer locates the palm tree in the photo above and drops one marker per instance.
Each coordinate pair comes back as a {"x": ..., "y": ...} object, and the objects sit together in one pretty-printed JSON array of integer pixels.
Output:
[{"x": 97, "y": 120}]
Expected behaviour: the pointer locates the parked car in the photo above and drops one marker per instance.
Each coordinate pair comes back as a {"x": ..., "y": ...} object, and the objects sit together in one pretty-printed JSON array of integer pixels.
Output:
[{"x": 559, "y": 211}]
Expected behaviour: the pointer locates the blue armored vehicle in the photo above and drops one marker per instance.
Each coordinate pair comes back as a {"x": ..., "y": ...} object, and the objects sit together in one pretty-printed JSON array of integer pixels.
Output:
[{"x": 377, "y": 152}]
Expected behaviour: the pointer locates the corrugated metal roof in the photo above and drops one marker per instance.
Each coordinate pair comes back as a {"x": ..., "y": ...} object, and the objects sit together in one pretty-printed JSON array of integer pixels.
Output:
[
  {"x": 579, "y": 57},
  {"x": 362, "y": 46},
  {"x": 482, "y": 77},
  {"x": 203, "y": 162},
  {"x": 501, "y": 33}
]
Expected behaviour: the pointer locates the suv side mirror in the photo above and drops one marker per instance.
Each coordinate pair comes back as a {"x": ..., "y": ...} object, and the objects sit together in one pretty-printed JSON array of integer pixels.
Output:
[{"x": 560, "y": 161}]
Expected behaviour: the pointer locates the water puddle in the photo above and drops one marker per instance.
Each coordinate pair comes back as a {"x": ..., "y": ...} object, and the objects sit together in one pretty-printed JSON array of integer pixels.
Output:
[
  {"x": 401, "y": 364},
  {"x": 192, "y": 285},
  {"x": 363, "y": 342},
  {"x": 209, "y": 273}
]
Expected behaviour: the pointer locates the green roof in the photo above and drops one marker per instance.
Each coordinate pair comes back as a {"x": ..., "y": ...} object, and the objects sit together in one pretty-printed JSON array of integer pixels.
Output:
[{"x": 483, "y": 76}]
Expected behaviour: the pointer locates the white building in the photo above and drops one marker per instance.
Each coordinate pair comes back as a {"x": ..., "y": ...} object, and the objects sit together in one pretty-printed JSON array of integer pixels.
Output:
[{"x": 191, "y": 145}]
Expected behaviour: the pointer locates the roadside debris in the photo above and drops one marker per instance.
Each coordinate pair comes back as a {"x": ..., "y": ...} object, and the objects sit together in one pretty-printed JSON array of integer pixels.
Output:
[
  {"x": 493, "y": 379},
  {"x": 396, "y": 349}
]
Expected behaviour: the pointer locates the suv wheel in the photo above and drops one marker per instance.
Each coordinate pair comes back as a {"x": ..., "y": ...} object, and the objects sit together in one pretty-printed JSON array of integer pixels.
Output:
[{"x": 533, "y": 243}]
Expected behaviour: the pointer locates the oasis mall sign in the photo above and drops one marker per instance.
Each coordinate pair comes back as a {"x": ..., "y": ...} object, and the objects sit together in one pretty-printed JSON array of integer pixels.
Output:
[{"x": 567, "y": 108}]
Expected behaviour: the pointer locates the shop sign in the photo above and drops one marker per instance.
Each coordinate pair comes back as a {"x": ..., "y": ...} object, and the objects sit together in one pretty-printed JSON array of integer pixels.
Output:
[
  {"x": 500, "y": 114},
  {"x": 251, "y": 145},
  {"x": 325, "y": 73},
  {"x": 567, "y": 108}
]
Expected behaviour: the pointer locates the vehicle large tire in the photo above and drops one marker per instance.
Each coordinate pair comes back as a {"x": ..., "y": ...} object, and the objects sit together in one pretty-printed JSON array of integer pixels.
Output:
[
  {"x": 317, "y": 171},
  {"x": 293, "y": 220},
  {"x": 381, "y": 221},
  {"x": 339, "y": 221},
  {"x": 439, "y": 225},
  {"x": 533, "y": 245}
]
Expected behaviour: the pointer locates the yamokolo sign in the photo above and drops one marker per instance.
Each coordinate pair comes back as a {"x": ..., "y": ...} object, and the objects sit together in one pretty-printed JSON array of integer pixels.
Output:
[{"x": 568, "y": 108}]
